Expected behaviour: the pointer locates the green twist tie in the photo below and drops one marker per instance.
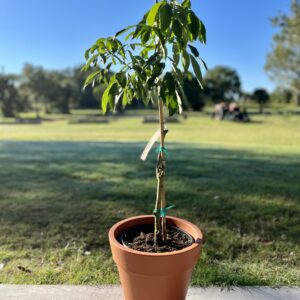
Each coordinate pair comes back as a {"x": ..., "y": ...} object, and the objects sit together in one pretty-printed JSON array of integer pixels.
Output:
[
  {"x": 156, "y": 212},
  {"x": 163, "y": 211},
  {"x": 162, "y": 150}
]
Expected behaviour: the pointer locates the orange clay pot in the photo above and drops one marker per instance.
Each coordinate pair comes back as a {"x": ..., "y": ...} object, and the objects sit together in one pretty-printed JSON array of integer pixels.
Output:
[{"x": 155, "y": 276}]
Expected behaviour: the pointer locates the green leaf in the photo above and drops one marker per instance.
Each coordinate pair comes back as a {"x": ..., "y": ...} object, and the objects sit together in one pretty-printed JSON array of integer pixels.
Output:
[
  {"x": 172, "y": 105},
  {"x": 108, "y": 66},
  {"x": 177, "y": 28},
  {"x": 176, "y": 55},
  {"x": 100, "y": 41},
  {"x": 179, "y": 102},
  {"x": 177, "y": 74},
  {"x": 153, "y": 13},
  {"x": 105, "y": 99},
  {"x": 204, "y": 64},
  {"x": 181, "y": 15},
  {"x": 91, "y": 78},
  {"x": 129, "y": 35},
  {"x": 124, "y": 30},
  {"x": 153, "y": 59},
  {"x": 167, "y": 92},
  {"x": 87, "y": 54},
  {"x": 145, "y": 53},
  {"x": 118, "y": 98},
  {"x": 129, "y": 95},
  {"x": 92, "y": 59},
  {"x": 109, "y": 45},
  {"x": 194, "y": 25},
  {"x": 138, "y": 88},
  {"x": 151, "y": 81},
  {"x": 169, "y": 82},
  {"x": 84, "y": 68},
  {"x": 113, "y": 94},
  {"x": 109, "y": 94},
  {"x": 194, "y": 50},
  {"x": 160, "y": 35},
  {"x": 101, "y": 45},
  {"x": 197, "y": 70},
  {"x": 140, "y": 73},
  {"x": 186, "y": 4},
  {"x": 103, "y": 58},
  {"x": 202, "y": 33},
  {"x": 125, "y": 98},
  {"x": 112, "y": 45},
  {"x": 121, "y": 79},
  {"x": 158, "y": 69},
  {"x": 145, "y": 37},
  {"x": 93, "y": 48},
  {"x": 179, "y": 80},
  {"x": 185, "y": 60},
  {"x": 165, "y": 16}
]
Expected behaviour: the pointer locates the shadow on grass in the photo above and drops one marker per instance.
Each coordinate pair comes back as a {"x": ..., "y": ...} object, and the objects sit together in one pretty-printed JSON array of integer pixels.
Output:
[{"x": 56, "y": 193}]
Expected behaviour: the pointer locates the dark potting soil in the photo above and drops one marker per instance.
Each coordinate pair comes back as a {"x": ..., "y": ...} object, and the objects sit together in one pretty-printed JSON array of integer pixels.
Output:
[{"x": 141, "y": 238}]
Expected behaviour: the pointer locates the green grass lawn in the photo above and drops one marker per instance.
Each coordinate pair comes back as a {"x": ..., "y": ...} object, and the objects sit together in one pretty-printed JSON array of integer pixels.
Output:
[{"x": 62, "y": 186}]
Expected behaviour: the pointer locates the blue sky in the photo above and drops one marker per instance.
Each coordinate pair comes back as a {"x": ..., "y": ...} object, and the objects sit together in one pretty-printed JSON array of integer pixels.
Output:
[{"x": 55, "y": 33}]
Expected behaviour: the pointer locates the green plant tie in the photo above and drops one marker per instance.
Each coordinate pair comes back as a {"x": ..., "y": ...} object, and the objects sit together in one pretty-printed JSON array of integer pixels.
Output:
[
  {"x": 163, "y": 211},
  {"x": 156, "y": 212},
  {"x": 162, "y": 150}
]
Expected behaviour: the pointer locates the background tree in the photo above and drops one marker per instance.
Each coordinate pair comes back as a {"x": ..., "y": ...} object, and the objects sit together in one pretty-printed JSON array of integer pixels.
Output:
[
  {"x": 10, "y": 100},
  {"x": 61, "y": 95},
  {"x": 283, "y": 62},
  {"x": 281, "y": 96},
  {"x": 194, "y": 94},
  {"x": 222, "y": 84},
  {"x": 261, "y": 96},
  {"x": 51, "y": 90},
  {"x": 36, "y": 86},
  {"x": 85, "y": 98}
]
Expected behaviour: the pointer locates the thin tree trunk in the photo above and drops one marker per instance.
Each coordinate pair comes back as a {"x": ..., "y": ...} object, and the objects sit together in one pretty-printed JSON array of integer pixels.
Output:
[
  {"x": 157, "y": 224},
  {"x": 37, "y": 111},
  {"x": 163, "y": 166},
  {"x": 160, "y": 219}
]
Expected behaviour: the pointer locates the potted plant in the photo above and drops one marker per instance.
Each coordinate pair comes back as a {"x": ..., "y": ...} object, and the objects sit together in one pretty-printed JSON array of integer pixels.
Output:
[{"x": 155, "y": 254}]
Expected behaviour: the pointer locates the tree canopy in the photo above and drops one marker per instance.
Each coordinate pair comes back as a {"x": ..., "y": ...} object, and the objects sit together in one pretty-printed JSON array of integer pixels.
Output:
[
  {"x": 283, "y": 62},
  {"x": 149, "y": 57},
  {"x": 10, "y": 100},
  {"x": 222, "y": 84},
  {"x": 261, "y": 96}
]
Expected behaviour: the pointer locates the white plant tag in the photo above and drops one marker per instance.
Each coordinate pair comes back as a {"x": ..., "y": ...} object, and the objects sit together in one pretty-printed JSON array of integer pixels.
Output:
[{"x": 150, "y": 144}]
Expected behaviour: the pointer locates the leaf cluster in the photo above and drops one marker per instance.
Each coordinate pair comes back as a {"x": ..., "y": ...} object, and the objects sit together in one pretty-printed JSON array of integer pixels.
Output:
[{"x": 152, "y": 57}]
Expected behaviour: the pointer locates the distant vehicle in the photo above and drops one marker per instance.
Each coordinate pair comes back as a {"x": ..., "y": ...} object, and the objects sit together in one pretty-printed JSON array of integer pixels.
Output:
[{"x": 231, "y": 111}]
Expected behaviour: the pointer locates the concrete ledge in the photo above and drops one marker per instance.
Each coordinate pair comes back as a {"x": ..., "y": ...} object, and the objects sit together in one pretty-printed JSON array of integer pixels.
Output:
[{"x": 71, "y": 292}]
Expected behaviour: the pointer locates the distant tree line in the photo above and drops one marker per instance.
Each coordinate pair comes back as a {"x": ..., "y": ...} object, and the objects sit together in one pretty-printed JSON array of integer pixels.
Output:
[
  {"x": 59, "y": 91},
  {"x": 37, "y": 89}
]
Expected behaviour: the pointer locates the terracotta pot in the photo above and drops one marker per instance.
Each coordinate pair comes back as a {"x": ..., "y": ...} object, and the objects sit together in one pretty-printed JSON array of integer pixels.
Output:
[{"x": 155, "y": 276}]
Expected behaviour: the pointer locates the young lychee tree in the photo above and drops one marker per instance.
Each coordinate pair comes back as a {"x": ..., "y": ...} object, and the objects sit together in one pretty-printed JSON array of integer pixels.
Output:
[{"x": 152, "y": 59}]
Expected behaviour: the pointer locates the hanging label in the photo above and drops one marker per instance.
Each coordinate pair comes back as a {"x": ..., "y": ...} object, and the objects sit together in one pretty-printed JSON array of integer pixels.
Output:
[{"x": 151, "y": 142}]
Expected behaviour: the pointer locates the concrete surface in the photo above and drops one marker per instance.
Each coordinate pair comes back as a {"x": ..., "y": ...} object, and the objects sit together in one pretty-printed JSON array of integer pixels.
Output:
[{"x": 71, "y": 292}]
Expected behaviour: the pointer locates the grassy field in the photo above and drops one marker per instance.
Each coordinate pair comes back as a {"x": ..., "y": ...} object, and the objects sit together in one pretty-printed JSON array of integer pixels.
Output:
[{"x": 62, "y": 186}]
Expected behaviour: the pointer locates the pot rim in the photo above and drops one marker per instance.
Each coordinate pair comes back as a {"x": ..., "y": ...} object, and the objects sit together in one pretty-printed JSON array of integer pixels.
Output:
[{"x": 116, "y": 243}]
